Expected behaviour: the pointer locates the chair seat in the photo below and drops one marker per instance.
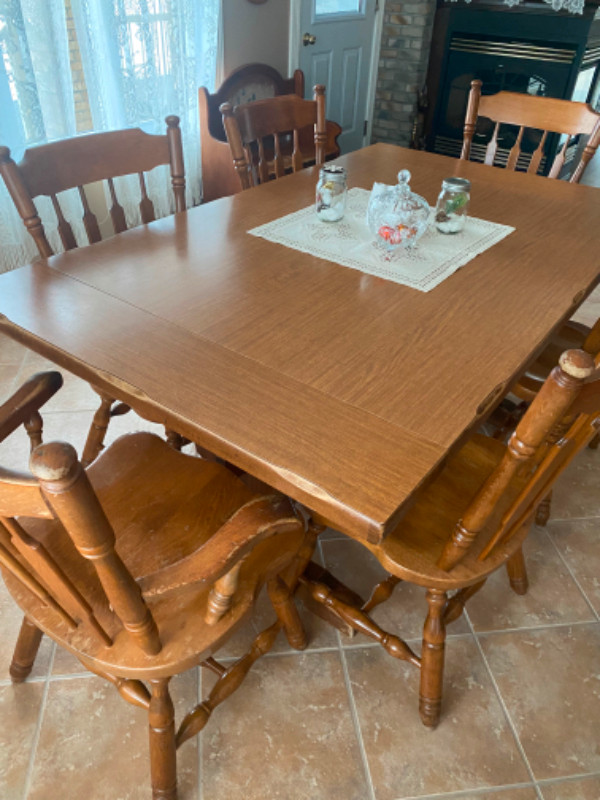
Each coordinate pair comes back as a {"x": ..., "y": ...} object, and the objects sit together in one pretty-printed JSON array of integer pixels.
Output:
[
  {"x": 411, "y": 551},
  {"x": 164, "y": 505}
]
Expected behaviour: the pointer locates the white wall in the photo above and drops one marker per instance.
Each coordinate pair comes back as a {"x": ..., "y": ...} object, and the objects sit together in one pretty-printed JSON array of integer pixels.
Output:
[{"x": 255, "y": 33}]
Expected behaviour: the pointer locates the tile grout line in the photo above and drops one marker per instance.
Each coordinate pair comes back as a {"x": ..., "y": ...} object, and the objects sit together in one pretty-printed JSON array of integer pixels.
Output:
[
  {"x": 69, "y": 676},
  {"x": 278, "y": 654},
  {"x": 200, "y": 739},
  {"x": 38, "y": 729},
  {"x": 573, "y": 576},
  {"x": 459, "y": 794},
  {"x": 504, "y": 707},
  {"x": 569, "y": 519},
  {"x": 568, "y": 778},
  {"x": 550, "y": 626},
  {"x": 412, "y": 640},
  {"x": 351, "y": 702},
  {"x": 356, "y": 723}
]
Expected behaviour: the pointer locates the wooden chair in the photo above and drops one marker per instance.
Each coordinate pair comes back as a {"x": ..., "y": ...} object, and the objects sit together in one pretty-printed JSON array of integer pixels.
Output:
[
  {"x": 471, "y": 520},
  {"x": 142, "y": 567},
  {"x": 572, "y": 335},
  {"x": 244, "y": 85},
  {"x": 544, "y": 114},
  {"x": 49, "y": 169},
  {"x": 248, "y": 127}
]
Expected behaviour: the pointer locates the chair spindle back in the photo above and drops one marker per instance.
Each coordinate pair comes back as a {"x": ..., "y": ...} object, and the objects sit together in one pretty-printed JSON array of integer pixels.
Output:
[
  {"x": 545, "y": 114},
  {"x": 254, "y": 132},
  {"x": 52, "y": 168}
]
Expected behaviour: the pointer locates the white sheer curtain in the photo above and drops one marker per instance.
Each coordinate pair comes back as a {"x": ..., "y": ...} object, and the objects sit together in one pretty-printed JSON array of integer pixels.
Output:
[
  {"x": 142, "y": 60},
  {"x": 36, "y": 100}
]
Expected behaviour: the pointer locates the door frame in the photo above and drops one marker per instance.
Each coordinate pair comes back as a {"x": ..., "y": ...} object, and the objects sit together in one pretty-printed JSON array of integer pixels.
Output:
[{"x": 295, "y": 34}]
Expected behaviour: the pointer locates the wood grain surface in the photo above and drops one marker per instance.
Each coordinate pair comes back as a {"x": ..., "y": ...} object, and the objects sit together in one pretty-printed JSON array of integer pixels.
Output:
[{"x": 342, "y": 389}]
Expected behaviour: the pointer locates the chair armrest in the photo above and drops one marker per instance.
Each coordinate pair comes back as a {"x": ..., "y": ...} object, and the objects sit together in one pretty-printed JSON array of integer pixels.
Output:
[
  {"x": 32, "y": 395},
  {"x": 254, "y": 521}
]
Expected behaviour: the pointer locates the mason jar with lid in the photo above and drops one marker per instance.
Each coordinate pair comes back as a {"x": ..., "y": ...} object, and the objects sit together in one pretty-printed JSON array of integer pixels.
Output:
[
  {"x": 452, "y": 205},
  {"x": 331, "y": 193}
]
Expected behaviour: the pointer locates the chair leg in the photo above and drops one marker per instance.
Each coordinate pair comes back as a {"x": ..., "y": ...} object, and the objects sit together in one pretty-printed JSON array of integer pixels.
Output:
[
  {"x": 542, "y": 515},
  {"x": 95, "y": 438},
  {"x": 432, "y": 659},
  {"x": 163, "y": 759},
  {"x": 287, "y": 613},
  {"x": 593, "y": 445},
  {"x": 25, "y": 652},
  {"x": 517, "y": 573}
]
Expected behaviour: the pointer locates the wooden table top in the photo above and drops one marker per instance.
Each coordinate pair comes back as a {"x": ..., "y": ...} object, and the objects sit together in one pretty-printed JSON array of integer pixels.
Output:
[{"x": 344, "y": 390}]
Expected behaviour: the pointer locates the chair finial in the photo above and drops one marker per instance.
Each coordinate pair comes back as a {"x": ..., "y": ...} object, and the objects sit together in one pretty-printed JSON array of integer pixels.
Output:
[
  {"x": 53, "y": 462},
  {"x": 577, "y": 364}
]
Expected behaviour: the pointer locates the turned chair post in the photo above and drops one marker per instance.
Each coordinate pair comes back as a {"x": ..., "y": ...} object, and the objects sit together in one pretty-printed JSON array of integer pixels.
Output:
[
  {"x": 221, "y": 595},
  {"x": 547, "y": 409},
  {"x": 240, "y": 162},
  {"x": 588, "y": 153},
  {"x": 432, "y": 659},
  {"x": 320, "y": 125},
  {"x": 23, "y": 202},
  {"x": 26, "y": 649},
  {"x": 95, "y": 438},
  {"x": 176, "y": 162},
  {"x": 163, "y": 755},
  {"x": 517, "y": 573},
  {"x": 66, "y": 486},
  {"x": 287, "y": 613},
  {"x": 471, "y": 119}
]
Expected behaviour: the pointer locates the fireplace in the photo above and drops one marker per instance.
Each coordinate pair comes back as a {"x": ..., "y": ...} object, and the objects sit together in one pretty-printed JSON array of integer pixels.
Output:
[
  {"x": 433, "y": 49},
  {"x": 529, "y": 48}
]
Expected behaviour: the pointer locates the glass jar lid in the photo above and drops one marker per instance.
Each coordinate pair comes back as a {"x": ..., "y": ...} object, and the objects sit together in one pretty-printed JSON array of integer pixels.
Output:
[
  {"x": 456, "y": 184},
  {"x": 333, "y": 172}
]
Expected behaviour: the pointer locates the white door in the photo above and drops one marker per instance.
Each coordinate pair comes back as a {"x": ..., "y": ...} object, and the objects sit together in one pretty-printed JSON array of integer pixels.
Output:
[{"x": 336, "y": 41}]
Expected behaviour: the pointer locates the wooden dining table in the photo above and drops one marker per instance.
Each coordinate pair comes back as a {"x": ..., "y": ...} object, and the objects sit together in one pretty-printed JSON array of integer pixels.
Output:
[{"x": 344, "y": 390}]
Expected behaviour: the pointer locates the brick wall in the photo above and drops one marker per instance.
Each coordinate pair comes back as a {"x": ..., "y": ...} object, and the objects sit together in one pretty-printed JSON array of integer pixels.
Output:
[
  {"x": 405, "y": 43},
  {"x": 83, "y": 117}
]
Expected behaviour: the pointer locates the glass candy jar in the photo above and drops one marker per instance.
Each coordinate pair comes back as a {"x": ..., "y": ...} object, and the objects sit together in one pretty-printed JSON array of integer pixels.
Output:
[
  {"x": 332, "y": 189},
  {"x": 396, "y": 216},
  {"x": 452, "y": 205}
]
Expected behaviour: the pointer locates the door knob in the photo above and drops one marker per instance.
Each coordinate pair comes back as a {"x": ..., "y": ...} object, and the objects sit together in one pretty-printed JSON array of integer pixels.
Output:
[{"x": 308, "y": 38}]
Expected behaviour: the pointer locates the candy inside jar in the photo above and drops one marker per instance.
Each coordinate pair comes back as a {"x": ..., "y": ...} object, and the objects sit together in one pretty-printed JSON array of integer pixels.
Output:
[
  {"x": 398, "y": 234},
  {"x": 331, "y": 194}
]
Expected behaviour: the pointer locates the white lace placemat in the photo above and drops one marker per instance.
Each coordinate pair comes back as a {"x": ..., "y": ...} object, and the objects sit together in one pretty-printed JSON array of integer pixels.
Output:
[{"x": 350, "y": 243}]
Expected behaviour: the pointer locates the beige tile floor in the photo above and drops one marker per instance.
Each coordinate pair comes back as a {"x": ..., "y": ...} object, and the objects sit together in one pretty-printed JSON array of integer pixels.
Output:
[{"x": 521, "y": 718}]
